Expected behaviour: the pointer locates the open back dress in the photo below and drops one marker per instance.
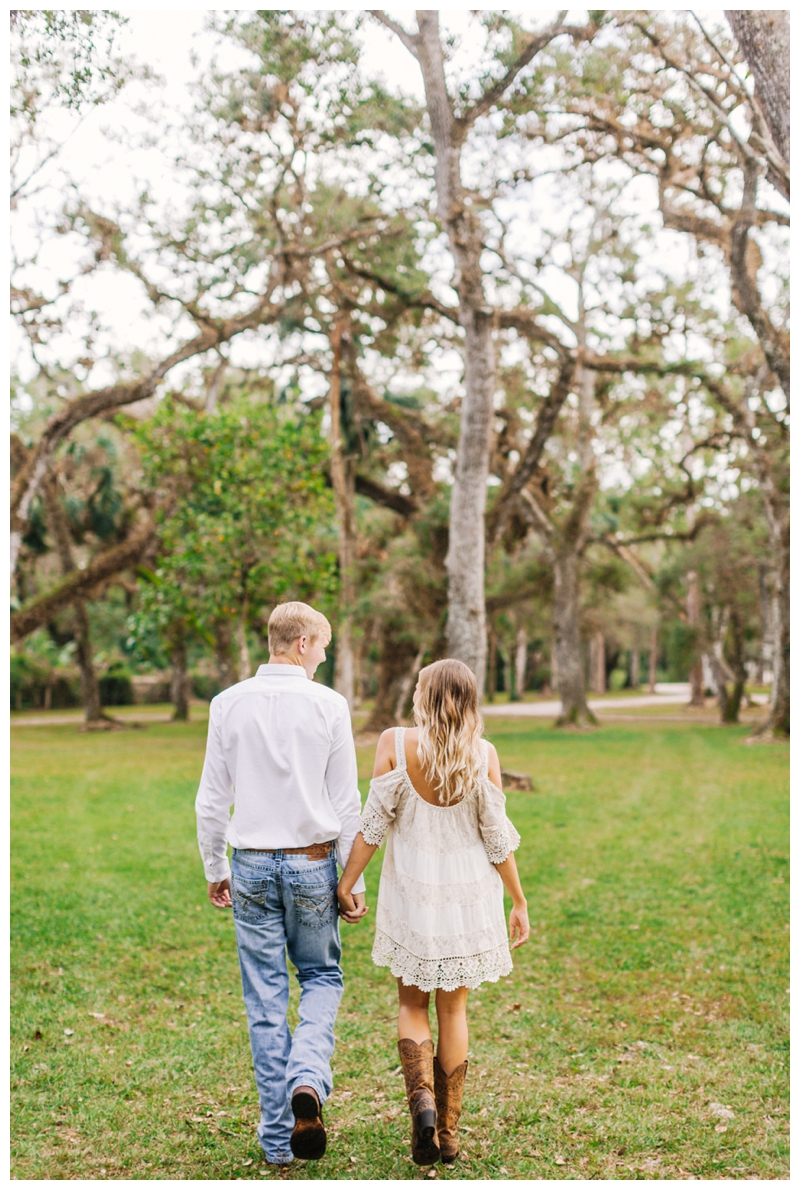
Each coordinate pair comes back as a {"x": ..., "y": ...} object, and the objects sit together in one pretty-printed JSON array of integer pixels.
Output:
[{"x": 440, "y": 921}]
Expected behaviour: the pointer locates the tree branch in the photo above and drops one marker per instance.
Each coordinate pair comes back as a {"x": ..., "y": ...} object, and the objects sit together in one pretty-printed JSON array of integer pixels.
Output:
[
  {"x": 425, "y": 300},
  {"x": 495, "y": 92},
  {"x": 81, "y": 584},
  {"x": 548, "y": 412},
  {"x": 388, "y": 497},
  {"x": 115, "y": 396},
  {"x": 409, "y": 40}
]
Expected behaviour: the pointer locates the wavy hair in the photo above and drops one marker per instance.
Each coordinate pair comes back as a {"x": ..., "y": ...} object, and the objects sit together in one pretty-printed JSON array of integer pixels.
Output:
[{"x": 450, "y": 728}]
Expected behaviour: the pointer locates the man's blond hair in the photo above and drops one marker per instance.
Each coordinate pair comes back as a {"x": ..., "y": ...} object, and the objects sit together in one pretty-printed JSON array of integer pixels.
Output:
[{"x": 290, "y": 621}]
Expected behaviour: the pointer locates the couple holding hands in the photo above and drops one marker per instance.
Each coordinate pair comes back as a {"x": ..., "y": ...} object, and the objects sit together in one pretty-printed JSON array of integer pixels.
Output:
[{"x": 280, "y": 751}]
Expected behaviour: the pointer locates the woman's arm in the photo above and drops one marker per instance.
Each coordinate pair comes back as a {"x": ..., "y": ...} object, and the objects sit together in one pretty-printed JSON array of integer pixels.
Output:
[
  {"x": 362, "y": 852},
  {"x": 360, "y": 855},
  {"x": 518, "y": 924}
]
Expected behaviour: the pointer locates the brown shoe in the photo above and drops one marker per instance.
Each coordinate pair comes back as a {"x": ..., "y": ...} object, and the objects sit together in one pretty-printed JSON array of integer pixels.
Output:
[
  {"x": 449, "y": 1094},
  {"x": 417, "y": 1063},
  {"x": 308, "y": 1139}
]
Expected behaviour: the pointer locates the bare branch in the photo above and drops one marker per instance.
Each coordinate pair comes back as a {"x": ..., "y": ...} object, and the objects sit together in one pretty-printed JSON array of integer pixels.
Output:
[{"x": 409, "y": 40}]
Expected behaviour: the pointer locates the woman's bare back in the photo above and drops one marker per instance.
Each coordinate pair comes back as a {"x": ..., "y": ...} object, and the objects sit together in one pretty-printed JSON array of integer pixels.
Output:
[
  {"x": 386, "y": 760},
  {"x": 416, "y": 773}
]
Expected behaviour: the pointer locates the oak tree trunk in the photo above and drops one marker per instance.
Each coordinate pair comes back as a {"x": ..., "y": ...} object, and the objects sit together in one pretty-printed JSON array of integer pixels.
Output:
[
  {"x": 90, "y": 686},
  {"x": 634, "y": 669},
  {"x": 597, "y": 662},
  {"x": 491, "y": 674},
  {"x": 223, "y": 653},
  {"x": 344, "y": 494},
  {"x": 179, "y": 686},
  {"x": 652, "y": 665},
  {"x": 520, "y": 661},
  {"x": 242, "y": 649},
  {"x": 466, "y": 622},
  {"x": 697, "y": 697},
  {"x": 778, "y": 722},
  {"x": 763, "y": 35},
  {"x": 396, "y": 654},
  {"x": 406, "y": 691},
  {"x": 567, "y": 639}
]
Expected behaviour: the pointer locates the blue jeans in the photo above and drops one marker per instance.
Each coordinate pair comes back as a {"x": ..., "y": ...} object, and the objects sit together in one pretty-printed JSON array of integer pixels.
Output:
[{"x": 287, "y": 902}]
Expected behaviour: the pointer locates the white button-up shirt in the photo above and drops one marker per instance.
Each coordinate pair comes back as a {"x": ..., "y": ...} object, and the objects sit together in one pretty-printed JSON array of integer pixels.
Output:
[{"x": 280, "y": 751}]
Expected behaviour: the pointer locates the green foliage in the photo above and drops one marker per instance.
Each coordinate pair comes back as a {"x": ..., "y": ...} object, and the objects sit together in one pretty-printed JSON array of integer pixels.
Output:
[
  {"x": 116, "y": 689},
  {"x": 72, "y": 51},
  {"x": 244, "y": 514},
  {"x": 41, "y": 666},
  {"x": 35, "y": 537}
]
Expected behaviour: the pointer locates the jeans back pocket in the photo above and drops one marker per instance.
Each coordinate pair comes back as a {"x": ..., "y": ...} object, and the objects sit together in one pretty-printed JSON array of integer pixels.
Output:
[
  {"x": 249, "y": 896},
  {"x": 315, "y": 903}
]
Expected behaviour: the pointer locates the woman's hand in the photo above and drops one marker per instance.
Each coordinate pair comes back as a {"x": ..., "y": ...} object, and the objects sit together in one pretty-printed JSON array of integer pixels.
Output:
[
  {"x": 352, "y": 905},
  {"x": 518, "y": 926}
]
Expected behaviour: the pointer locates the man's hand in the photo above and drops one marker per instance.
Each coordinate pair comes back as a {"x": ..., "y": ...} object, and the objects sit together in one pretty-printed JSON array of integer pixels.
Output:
[
  {"x": 219, "y": 894},
  {"x": 352, "y": 905}
]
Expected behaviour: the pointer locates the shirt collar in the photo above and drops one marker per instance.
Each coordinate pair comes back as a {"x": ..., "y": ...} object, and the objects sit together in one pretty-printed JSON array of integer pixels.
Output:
[{"x": 281, "y": 671}]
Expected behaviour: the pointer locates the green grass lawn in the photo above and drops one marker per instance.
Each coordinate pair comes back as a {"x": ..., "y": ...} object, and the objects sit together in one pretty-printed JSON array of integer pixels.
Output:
[{"x": 643, "y": 1033}]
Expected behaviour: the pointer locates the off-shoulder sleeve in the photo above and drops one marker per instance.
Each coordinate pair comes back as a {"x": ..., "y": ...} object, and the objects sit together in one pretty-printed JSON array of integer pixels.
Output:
[
  {"x": 381, "y": 806},
  {"x": 499, "y": 834}
]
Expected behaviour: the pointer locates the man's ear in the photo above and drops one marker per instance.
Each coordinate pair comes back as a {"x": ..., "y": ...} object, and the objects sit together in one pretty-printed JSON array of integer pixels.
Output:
[{"x": 301, "y": 644}]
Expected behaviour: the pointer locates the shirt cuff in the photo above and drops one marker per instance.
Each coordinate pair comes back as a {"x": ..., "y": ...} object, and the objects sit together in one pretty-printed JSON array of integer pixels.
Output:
[
  {"x": 359, "y": 885},
  {"x": 217, "y": 869}
]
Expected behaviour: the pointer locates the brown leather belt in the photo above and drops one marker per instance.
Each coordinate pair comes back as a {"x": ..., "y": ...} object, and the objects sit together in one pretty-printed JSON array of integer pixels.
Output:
[{"x": 313, "y": 851}]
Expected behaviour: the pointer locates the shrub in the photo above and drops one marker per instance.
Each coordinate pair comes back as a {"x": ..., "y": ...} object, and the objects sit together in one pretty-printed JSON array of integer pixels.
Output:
[{"x": 116, "y": 689}]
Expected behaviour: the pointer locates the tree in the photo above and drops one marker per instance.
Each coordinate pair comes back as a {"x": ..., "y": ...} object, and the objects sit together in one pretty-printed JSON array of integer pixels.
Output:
[
  {"x": 451, "y": 122},
  {"x": 667, "y": 101},
  {"x": 242, "y": 511},
  {"x": 763, "y": 35}
]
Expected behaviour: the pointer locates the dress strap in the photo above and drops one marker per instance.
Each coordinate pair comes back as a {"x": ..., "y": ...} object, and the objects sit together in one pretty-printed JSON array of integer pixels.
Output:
[
  {"x": 484, "y": 769},
  {"x": 400, "y": 748}
]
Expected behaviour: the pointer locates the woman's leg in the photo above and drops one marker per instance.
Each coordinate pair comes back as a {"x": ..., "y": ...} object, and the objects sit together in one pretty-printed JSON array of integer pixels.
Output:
[
  {"x": 451, "y": 1012},
  {"x": 450, "y": 1068},
  {"x": 416, "y": 1057},
  {"x": 412, "y": 1017}
]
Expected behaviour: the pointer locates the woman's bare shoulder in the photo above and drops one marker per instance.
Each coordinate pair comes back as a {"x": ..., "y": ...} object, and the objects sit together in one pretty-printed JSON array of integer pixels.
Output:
[{"x": 385, "y": 758}]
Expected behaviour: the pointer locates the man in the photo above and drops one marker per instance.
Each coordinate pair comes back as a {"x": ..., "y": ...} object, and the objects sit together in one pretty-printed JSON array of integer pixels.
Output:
[{"x": 280, "y": 750}]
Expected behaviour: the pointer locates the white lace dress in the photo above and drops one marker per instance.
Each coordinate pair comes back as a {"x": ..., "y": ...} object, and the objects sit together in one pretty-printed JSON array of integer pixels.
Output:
[{"x": 440, "y": 921}]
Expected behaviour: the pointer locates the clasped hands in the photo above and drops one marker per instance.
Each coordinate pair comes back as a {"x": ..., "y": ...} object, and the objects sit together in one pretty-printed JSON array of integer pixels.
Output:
[{"x": 352, "y": 906}]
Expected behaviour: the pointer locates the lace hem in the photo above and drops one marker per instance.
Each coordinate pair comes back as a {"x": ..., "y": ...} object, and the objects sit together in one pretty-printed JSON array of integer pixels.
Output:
[
  {"x": 462, "y": 971},
  {"x": 374, "y": 825},
  {"x": 501, "y": 841}
]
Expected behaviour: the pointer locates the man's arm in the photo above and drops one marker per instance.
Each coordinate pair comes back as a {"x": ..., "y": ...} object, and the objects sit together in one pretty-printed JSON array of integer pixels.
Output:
[
  {"x": 212, "y": 807},
  {"x": 341, "y": 779}
]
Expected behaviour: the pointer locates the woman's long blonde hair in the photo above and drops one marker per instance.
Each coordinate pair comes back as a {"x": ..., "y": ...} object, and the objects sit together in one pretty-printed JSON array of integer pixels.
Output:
[{"x": 450, "y": 728}]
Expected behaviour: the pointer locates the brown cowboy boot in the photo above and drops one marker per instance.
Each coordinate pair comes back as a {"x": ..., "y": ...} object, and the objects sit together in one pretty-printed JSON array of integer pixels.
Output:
[
  {"x": 308, "y": 1138},
  {"x": 417, "y": 1063},
  {"x": 449, "y": 1093}
]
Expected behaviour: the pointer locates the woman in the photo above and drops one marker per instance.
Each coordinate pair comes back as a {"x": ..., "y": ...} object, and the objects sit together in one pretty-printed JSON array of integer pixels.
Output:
[{"x": 440, "y": 924}]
